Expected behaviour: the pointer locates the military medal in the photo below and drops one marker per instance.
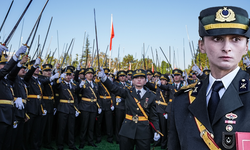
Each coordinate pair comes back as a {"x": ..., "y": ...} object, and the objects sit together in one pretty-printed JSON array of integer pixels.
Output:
[
  {"x": 229, "y": 128},
  {"x": 146, "y": 103},
  {"x": 231, "y": 116}
]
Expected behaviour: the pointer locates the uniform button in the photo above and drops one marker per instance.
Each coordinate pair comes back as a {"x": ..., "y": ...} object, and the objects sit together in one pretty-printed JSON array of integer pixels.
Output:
[{"x": 137, "y": 108}]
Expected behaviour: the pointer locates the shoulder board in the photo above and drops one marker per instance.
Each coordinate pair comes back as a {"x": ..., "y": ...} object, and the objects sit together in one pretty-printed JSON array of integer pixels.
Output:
[
  {"x": 185, "y": 89},
  {"x": 73, "y": 83},
  {"x": 97, "y": 80}
]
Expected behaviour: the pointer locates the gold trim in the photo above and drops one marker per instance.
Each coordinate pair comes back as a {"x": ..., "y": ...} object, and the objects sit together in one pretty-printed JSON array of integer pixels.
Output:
[{"x": 225, "y": 25}]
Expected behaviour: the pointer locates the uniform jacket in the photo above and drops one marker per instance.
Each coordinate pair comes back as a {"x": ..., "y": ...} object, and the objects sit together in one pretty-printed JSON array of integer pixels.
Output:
[
  {"x": 86, "y": 92},
  {"x": 167, "y": 91},
  {"x": 184, "y": 134},
  {"x": 130, "y": 129},
  {"x": 120, "y": 105},
  {"x": 67, "y": 94},
  {"x": 6, "y": 93},
  {"x": 105, "y": 103}
]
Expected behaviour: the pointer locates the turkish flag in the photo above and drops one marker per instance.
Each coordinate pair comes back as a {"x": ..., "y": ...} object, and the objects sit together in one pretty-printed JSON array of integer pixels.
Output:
[
  {"x": 112, "y": 33},
  {"x": 153, "y": 70}
]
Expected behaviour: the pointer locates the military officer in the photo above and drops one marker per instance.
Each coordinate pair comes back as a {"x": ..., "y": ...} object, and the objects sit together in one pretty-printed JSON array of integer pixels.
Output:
[
  {"x": 208, "y": 115},
  {"x": 106, "y": 104},
  {"x": 177, "y": 79},
  {"x": 140, "y": 112},
  {"x": 129, "y": 77},
  {"x": 89, "y": 107},
  {"x": 67, "y": 109},
  {"x": 7, "y": 97}
]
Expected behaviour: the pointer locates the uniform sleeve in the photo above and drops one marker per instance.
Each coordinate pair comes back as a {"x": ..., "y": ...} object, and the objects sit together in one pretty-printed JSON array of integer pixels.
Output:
[
  {"x": 115, "y": 89},
  {"x": 153, "y": 116},
  {"x": 7, "y": 68}
]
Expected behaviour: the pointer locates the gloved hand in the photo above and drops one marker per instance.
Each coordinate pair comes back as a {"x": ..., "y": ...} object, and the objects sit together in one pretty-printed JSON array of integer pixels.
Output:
[
  {"x": 45, "y": 112},
  {"x": 63, "y": 75},
  {"x": 37, "y": 62},
  {"x": 112, "y": 108},
  {"x": 185, "y": 75},
  {"x": 55, "y": 76},
  {"x": 196, "y": 69},
  {"x": 101, "y": 73},
  {"x": 21, "y": 50},
  {"x": 79, "y": 67},
  {"x": 55, "y": 111},
  {"x": 118, "y": 100},
  {"x": 82, "y": 83},
  {"x": 166, "y": 116},
  {"x": 159, "y": 82},
  {"x": 156, "y": 136},
  {"x": 19, "y": 103},
  {"x": 77, "y": 114},
  {"x": 99, "y": 110},
  {"x": 246, "y": 60},
  {"x": 3, "y": 48}
]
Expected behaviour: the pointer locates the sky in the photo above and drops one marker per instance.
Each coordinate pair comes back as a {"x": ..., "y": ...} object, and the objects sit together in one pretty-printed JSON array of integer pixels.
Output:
[{"x": 155, "y": 24}]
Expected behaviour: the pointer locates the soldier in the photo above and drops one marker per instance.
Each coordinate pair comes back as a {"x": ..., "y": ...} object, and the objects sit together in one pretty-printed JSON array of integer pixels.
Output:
[
  {"x": 151, "y": 82},
  {"x": 49, "y": 101},
  {"x": 67, "y": 109},
  {"x": 177, "y": 79},
  {"x": 106, "y": 104},
  {"x": 88, "y": 105},
  {"x": 208, "y": 115},
  {"x": 140, "y": 112},
  {"x": 129, "y": 77},
  {"x": 120, "y": 104},
  {"x": 192, "y": 78},
  {"x": 20, "y": 94},
  {"x": 7, "y": 97}
]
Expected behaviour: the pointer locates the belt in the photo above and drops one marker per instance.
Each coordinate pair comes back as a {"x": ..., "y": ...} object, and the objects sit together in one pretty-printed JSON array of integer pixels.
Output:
[
  {"x": 48, "y": 97},
  {"x": 34, "y": 96},
  {"x": 161, "y": 103},
  {"x": 88, "y": 99},
  {"x": 7, "y": 102},
  {"x": 66, "y": 101},
  {"x": 105, "y": 97},
  {"x": 23, "y": 100},
  {"x": 136, "y": 118}
]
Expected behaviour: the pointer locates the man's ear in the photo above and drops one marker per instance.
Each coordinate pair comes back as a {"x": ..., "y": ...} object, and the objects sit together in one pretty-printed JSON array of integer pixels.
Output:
[{"x": 201, "y": 46}]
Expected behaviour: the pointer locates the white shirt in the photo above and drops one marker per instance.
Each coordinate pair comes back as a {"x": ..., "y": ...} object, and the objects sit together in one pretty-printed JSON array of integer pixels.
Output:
[
  {"x": 68, "y": 84},
  {"x": 91, "y": 83},
  {"x": 142, "y": 91},
  {"x": 226, "y": 80}
]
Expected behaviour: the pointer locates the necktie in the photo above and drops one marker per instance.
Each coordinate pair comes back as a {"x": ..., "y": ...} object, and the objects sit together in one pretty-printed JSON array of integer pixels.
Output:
[
  {"x": 214, "y": 99},
  {"x": 176, "y": 86},
  {"x": 139, "y": 93},
  {"x": 68, "y": 85}
]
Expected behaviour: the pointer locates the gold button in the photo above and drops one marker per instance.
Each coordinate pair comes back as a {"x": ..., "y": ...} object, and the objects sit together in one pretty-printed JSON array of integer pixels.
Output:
[{"x": 137, "y": 108}]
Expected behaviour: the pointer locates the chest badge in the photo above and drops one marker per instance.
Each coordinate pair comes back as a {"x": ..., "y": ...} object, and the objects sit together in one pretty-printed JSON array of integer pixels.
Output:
[{"x": 146, "y": 103}]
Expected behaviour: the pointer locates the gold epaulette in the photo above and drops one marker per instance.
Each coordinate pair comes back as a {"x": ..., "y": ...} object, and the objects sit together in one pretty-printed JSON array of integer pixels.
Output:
[
  {"x": 97, "y": 80},
  {"x": 190, "y": 86},
  {"x": 73, "y": 83}
]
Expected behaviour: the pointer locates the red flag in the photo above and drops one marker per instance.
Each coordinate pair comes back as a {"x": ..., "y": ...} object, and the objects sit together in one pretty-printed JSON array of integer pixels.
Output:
[
  {"x": 129, "y": 66},
  {"x": 112, "y": 33},
  {"x": 153, "y": 70}
]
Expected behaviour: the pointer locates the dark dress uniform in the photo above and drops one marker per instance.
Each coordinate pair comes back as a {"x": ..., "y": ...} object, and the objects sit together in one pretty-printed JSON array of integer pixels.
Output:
[
  {"x": 105, "y": 103},
  {"x": 66, "y": 109},
  {"x": 119, "y": 111},
  {"x": 88, "y": 107},
  {"x": 136, "y": 127},
  {"x": 20, "y": 90},
  {"x": 35, "y": 109},
  {"x": 6, "y": 106},
  {"x": 184, "y": 133},
  {"x": 47, "y": 120}
]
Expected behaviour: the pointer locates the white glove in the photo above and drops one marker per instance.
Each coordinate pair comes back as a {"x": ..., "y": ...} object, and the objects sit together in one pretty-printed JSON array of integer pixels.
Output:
[
  {"x": 156, "y": 136},
  {"x": 63, "y": 75},
  {"x": 15, "y": 124},
  {"x": 19, "y": 103},
  {"x": 77, "y": 114},
  {"x": 82, "y": 83},
  {"x": 99, "y": 110},
  {"x": 55, "y": 76},
  {"x": 21, "y": 50},
  {"x": 101, "y": 73},
  {"x": 45, "y": 112},
  {"x": 118, "y": 100},
  {"x": 55, "y": 111},
  {"x": 185, "y": 75},
  {"x": 196, "y": 69},
  {"x": 37, "y": 62},
  {"x": 166, "y": 116},
  {"x": 79, "y": 67},
  {"x": 159, "y": 82},
  {"x": 112, "y": 108},
  {"x": 246, "y": 60},
  {"x": 3, "y": 48}
]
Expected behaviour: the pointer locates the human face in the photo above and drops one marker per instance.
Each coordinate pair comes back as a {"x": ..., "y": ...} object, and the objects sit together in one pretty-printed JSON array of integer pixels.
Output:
[
  {"x": 68, "y": 77},
  {"x": 89, "y": 76},
  {"x": 129, "y": 77},
  {"x": 122, "y": 78},
  {"x": 47, "y": 73},
  {"x": 149, "y": 76},
  {"x": 224, "y": 52},
  {"x": 1, "y": 66},
  {"x": 139, "y": 82},
  {"x": 36, "y": 73},
  {"x": 177, "y": 78},
  {"x": 22, "y": 72},
  {"x": 81, "y": 76},
  {"x": 163, "y": 82}
]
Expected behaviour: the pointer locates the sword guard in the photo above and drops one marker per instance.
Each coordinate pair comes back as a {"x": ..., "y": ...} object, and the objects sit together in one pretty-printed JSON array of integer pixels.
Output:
[{"x": 26, "y": 45}]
